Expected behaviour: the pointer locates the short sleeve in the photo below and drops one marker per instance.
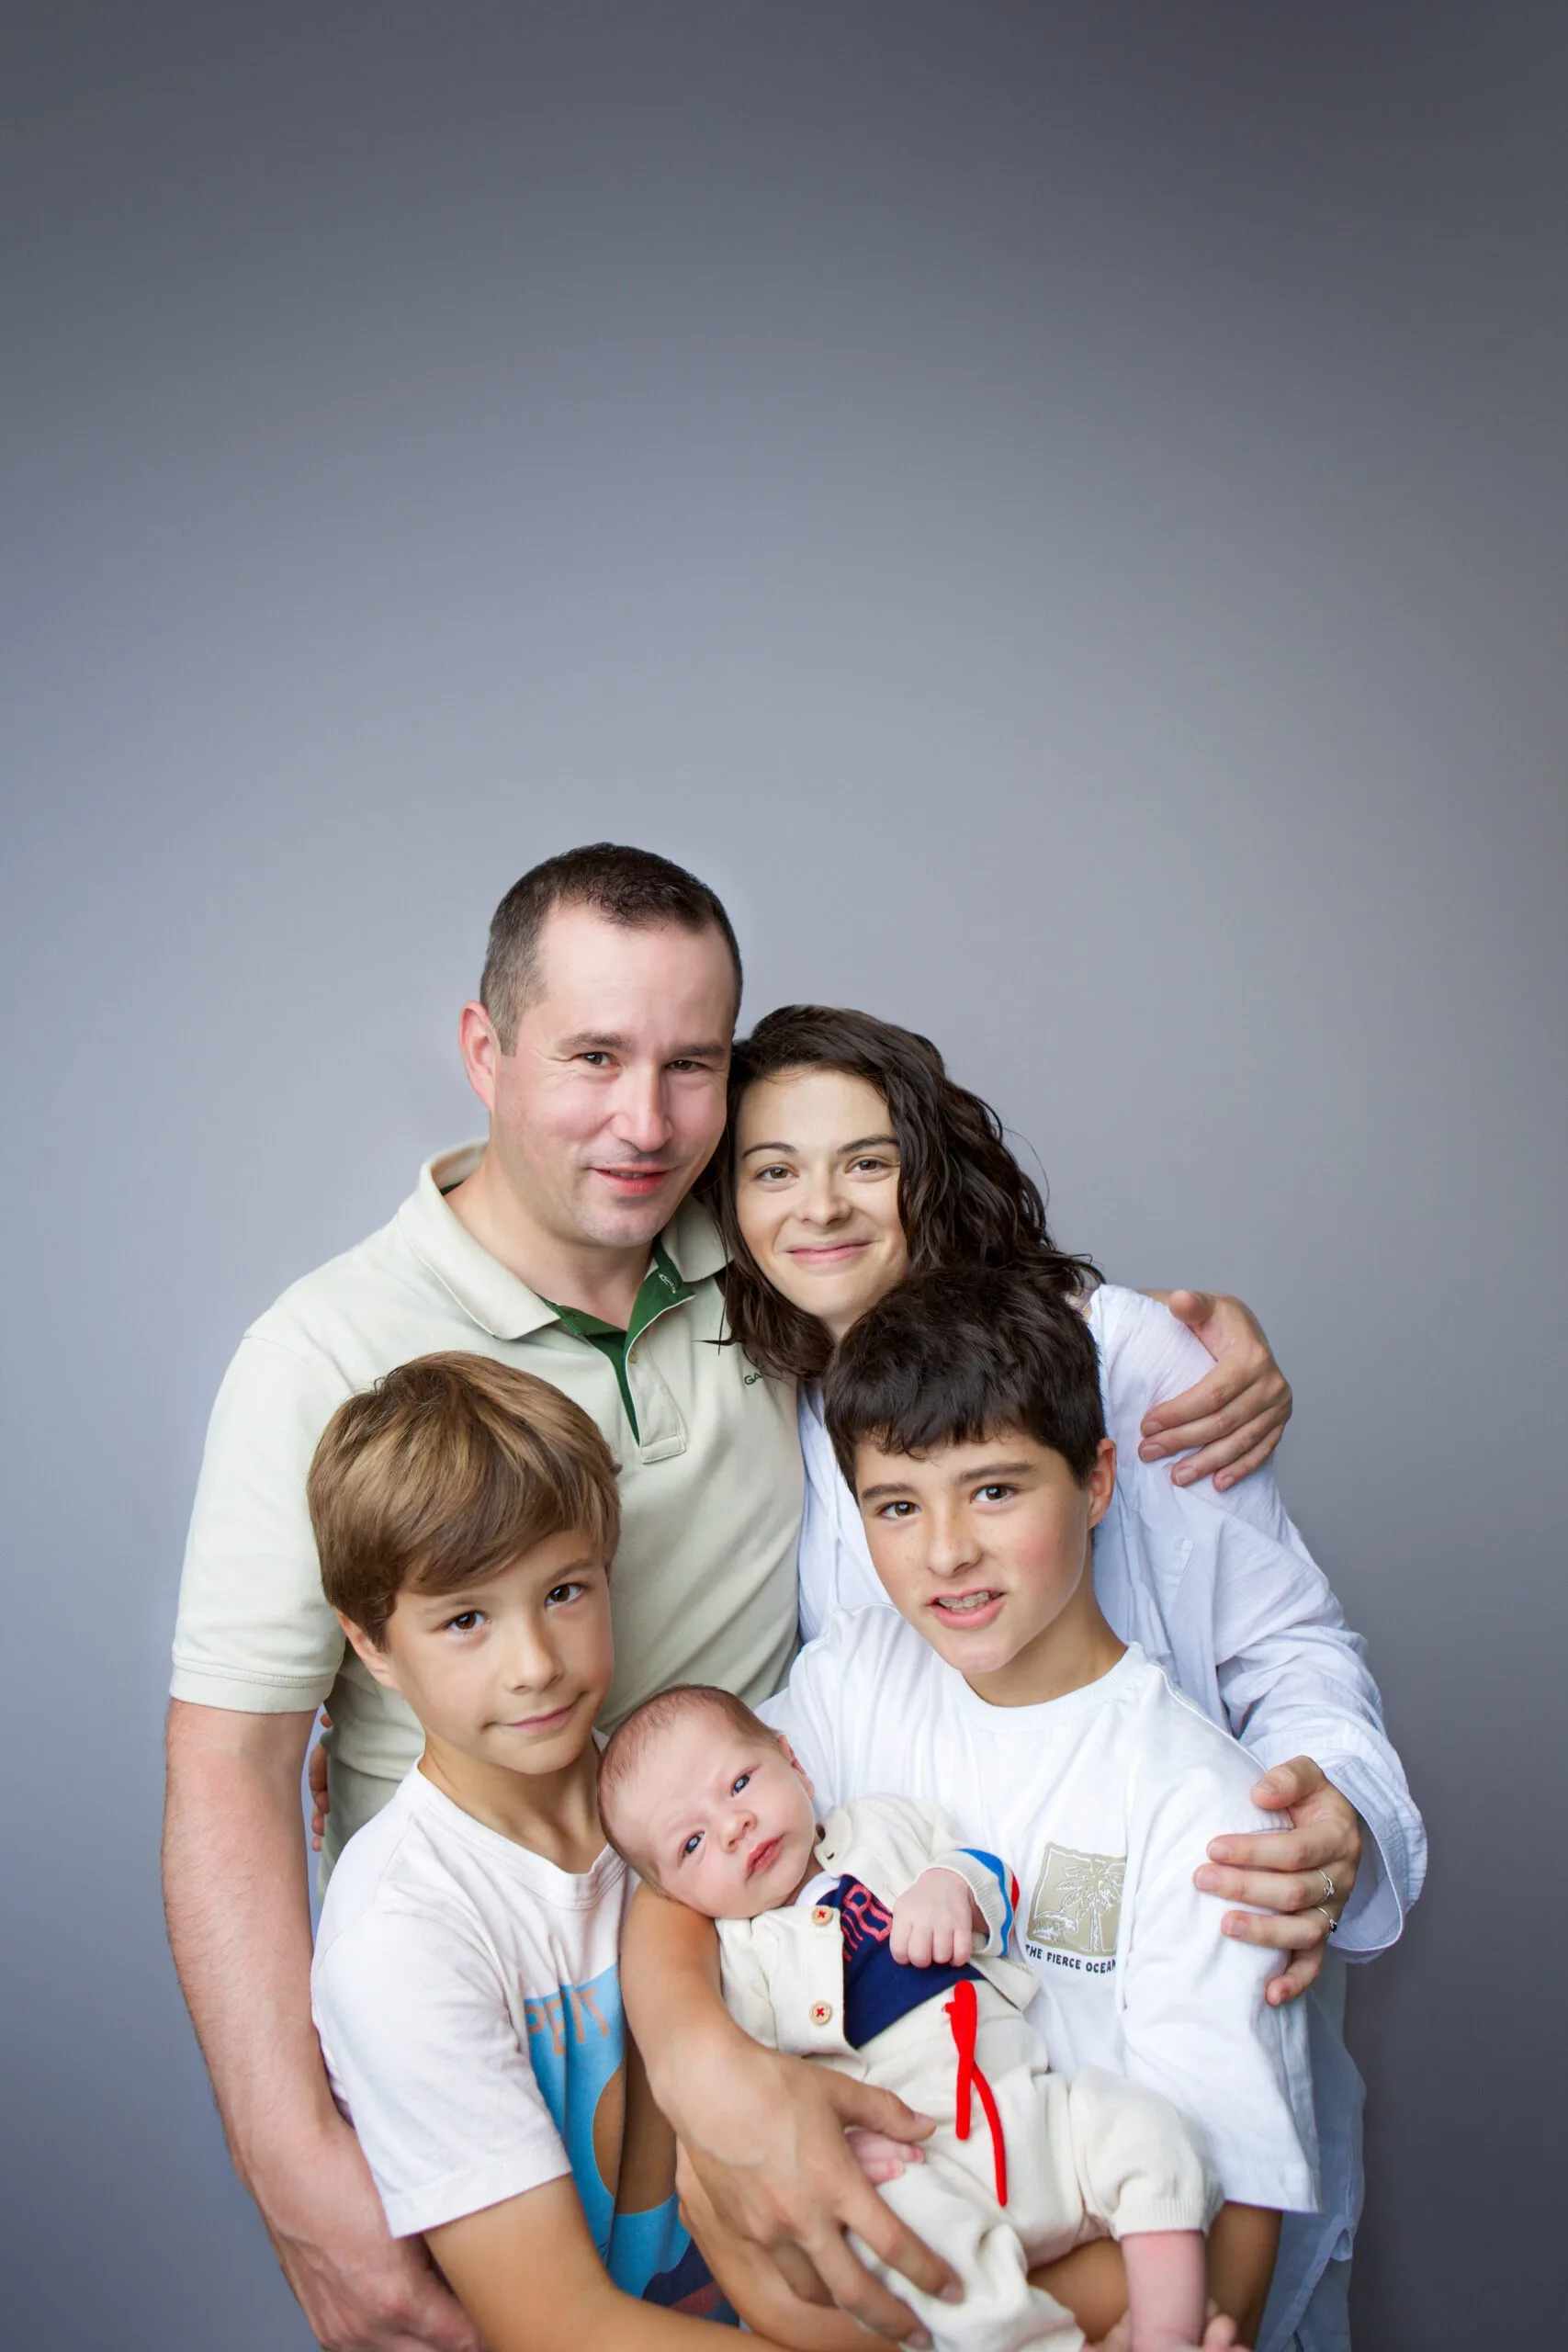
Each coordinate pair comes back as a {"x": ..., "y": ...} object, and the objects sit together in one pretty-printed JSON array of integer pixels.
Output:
[
  {"x": 1197, "y": 2026},
  {"x": 423, "y": 2052},
  {"x": 255, "y": 1632}
]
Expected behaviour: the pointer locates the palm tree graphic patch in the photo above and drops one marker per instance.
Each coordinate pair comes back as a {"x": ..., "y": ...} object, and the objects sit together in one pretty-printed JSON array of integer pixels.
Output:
[{"x": 1077, "y": 1905}]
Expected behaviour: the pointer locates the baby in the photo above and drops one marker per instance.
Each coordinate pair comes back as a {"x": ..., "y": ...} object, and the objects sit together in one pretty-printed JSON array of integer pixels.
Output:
[{"x": 875, "y": 1945}]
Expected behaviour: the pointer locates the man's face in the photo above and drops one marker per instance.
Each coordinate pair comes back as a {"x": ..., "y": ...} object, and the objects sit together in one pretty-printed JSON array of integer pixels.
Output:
[
  {"x": 984, "y": 1548},
  {"x": 725, "y": 1819},
  {"x": 612, "y": 1099},
  {"x": 509, "y": 1671}
]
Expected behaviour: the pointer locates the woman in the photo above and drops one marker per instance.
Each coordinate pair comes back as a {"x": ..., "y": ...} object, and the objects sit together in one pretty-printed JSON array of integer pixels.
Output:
[{"x": 854, "y": 1157}]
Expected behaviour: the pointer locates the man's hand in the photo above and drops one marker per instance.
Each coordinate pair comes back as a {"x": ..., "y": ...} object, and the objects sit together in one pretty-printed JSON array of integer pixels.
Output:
[
  {"x": 316, "y": 1779},
  {"x": 1237, "y": 1414},
  {"x": 1301, "y": 1878},
  {"x": 768, "y": 2153},
  {"x": 360, "y": 2289},
  {"x": 239, "y": 1928},
  {"x": 934, "y": 1920}
]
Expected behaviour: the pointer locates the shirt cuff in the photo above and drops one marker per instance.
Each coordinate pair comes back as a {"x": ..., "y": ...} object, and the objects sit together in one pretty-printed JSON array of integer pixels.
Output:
[{"x": 1373, "y": 1919}]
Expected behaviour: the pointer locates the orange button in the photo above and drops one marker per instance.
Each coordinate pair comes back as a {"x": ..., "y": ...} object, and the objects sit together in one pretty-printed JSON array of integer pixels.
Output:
[{"x": 822, "y": 1915}]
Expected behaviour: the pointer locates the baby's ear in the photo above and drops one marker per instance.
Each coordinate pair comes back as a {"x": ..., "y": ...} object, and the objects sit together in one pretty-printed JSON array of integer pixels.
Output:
[{"x": 791, "y": 1757}]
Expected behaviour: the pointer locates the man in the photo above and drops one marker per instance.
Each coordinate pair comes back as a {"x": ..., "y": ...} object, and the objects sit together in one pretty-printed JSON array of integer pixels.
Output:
[{"x": 567, "y": 1245}]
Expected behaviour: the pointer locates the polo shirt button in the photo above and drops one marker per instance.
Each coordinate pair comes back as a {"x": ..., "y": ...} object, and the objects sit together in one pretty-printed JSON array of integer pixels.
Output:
[
  {"x": 821, "y": 2012},
  {"x": 822, "y": 1915}
]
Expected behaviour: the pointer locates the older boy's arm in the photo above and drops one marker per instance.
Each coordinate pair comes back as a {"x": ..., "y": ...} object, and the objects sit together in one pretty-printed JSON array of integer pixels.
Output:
[
  {"x": 234, "y": 1890},
  {"x": 529, "y": 2275},
  {"x": 765, "y": 2134}
]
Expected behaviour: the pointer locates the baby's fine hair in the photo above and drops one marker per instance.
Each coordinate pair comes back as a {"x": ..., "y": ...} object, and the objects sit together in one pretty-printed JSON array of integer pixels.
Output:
[{"x": 634, "y": 1739}]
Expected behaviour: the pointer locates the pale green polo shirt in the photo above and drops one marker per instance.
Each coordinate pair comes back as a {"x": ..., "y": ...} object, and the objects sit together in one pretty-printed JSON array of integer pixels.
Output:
[{"x": 704, "y": 1584}]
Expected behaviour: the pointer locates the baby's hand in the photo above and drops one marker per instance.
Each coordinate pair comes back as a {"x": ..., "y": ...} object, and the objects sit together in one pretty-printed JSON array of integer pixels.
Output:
[{"x": 934, "y": 1920}]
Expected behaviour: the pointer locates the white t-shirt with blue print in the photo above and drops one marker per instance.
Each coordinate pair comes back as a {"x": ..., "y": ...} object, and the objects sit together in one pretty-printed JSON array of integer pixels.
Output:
[{"x": 466, "y": 1994}]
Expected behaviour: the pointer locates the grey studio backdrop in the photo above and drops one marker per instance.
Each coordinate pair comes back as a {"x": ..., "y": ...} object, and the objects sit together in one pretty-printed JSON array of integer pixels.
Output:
[{"x": 1058, "y": 514}]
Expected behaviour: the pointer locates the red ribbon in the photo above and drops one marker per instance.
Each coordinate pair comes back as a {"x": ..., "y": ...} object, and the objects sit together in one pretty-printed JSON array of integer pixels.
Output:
[{"x": 964, "y": 2018}]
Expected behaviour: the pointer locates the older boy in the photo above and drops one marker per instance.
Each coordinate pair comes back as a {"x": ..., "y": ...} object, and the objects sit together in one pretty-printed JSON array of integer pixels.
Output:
[
  {"x": 466, "y": 1983},
  {"x": 874, "y": 1944},
  {"x": 965, "y": 1410}
]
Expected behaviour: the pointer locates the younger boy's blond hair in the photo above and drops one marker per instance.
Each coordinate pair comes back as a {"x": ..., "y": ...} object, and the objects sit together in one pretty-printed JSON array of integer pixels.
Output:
[{"x": 449, "y": 1469}]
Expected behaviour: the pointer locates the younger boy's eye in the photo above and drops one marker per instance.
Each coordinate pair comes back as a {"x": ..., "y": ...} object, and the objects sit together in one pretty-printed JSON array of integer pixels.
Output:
[
  {"x": 559, "y": 1593},
  {"x": 465, "y": 1621}
]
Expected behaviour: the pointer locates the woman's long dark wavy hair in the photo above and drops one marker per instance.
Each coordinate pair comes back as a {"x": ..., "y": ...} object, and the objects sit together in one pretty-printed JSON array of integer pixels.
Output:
[{"x": 962, "y": 1198}]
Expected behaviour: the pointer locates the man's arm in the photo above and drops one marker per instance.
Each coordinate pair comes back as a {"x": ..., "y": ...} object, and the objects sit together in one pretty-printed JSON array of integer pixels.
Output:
[
  {"x": 765, "y": 2134},
  {"x": 1234, "y": 1415},
  {"x": 234, "y": 1891}
]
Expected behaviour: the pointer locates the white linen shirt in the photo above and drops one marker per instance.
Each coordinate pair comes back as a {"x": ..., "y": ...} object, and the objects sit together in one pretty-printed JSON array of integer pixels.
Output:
[{"x": 1220, "y": 1590}]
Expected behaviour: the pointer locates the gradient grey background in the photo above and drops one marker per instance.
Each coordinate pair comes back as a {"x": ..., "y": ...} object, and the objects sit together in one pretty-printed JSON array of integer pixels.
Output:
[{"x": 1058, "y": 514}]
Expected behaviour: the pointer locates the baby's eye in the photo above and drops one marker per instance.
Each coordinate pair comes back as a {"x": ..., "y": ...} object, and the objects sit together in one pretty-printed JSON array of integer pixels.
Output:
[
  {"x": 739, "y": 1784},
  {"x": 690, "y": 1848}
]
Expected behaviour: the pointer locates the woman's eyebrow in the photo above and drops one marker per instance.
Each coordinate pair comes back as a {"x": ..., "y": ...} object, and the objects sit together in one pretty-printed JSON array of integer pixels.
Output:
[{"x": 861, "y": 1143}]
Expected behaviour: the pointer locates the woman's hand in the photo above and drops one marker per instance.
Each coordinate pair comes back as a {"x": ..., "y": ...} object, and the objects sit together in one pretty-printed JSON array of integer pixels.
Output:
[
  {"x": 1235, "y": 1416},
  {"x": 1300, "y": 1878}
]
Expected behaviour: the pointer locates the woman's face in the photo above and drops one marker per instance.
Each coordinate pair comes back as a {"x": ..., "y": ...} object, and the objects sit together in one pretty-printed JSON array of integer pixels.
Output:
[{"x": 817, "y": 1193}]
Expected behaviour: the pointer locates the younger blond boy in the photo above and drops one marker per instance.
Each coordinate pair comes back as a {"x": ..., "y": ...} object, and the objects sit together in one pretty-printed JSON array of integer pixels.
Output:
[{"x": 466, "y": 1985}]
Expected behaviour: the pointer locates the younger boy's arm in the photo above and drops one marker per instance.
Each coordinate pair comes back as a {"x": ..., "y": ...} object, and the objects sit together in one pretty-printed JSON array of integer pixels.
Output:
[
  {"x": 530, "y": 2278},
  {"x": 765, "y": 2134}
]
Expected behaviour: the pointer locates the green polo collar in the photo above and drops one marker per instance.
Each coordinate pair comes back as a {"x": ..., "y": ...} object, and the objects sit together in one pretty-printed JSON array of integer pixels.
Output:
[{"x": 662, "y": 1288}]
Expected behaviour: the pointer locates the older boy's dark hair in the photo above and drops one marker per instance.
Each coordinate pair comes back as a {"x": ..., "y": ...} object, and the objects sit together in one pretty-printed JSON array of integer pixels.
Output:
[
  {"x": 632, "y": 887},
  {"x": 449, "y": 1469},
  {"x": 961, "y": 1354},
  {"x": 636, "y": 1733}
]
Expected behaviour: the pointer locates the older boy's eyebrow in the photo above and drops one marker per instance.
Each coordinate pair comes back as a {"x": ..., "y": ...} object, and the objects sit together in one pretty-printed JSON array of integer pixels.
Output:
[
  {"x": 879, "y": 1494},
  {"x": 861, "y": 1143}
]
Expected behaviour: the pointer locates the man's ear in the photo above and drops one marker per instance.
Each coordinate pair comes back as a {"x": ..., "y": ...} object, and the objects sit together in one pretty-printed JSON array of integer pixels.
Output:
[
  {"x": 792, "y": 1758},
  {"x": 480, "y": 1049},
  {"x": 377, "y": 1661},
  {"x": 1101, "y": 1482}
]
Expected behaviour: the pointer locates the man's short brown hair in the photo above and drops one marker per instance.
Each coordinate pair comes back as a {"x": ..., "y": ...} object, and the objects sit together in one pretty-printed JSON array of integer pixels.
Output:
[
  {"x": 449, "y": 1469},
  {"x": 632, "y": 887},
  {"x": 633, "y": 1737}
]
